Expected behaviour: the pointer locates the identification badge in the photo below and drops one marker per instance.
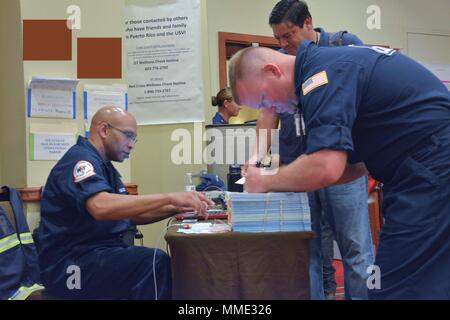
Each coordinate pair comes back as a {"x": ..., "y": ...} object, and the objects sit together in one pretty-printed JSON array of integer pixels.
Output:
[
  {"x": 302, "y": 125},
  {"x": 297, "y": 125}
]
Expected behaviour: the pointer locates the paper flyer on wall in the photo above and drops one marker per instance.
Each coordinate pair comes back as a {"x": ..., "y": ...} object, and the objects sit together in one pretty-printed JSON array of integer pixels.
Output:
[
  {"x": 49, "y": 141},
  {"x": 164, "y": 55},
  {"x": 52, "y": 98},
  {"x": 46, "y": 146},
  {"x": 98, "y": 96}
]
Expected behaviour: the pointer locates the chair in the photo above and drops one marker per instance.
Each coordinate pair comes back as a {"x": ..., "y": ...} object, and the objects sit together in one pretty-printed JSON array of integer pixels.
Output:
[{"x": 26, "y": 258}]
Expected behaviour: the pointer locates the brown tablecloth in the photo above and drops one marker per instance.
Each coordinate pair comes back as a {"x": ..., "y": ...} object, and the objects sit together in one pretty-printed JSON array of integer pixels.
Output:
[{"x": 236, "y": 265}]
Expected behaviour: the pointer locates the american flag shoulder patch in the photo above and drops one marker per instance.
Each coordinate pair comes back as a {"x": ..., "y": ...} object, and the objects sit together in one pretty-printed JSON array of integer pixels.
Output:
[{"x": 315, "y": 81}]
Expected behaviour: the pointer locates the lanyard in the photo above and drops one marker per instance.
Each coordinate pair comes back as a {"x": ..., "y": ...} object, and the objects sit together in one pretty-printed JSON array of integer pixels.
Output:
[{"x": 300, "y": 125}]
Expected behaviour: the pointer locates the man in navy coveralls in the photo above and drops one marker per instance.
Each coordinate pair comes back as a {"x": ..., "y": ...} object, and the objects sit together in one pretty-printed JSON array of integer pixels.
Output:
[
  {"x": 85, "y": 211},
  {"x": 379, "y": 110}
]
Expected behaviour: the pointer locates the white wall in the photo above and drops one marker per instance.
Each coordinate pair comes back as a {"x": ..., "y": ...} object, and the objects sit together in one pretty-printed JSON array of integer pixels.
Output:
[{"x": 397, "y": 18}]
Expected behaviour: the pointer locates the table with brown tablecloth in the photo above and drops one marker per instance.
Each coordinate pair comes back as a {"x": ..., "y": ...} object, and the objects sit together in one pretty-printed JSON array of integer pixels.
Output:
[{"x": 239, "y": 265}]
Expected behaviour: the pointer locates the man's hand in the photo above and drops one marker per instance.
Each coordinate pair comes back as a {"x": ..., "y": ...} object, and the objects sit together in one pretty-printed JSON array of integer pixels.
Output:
[
  {"x": 251, "y": 162},
  {"x": 254, "y": 180},
  {"x": 183, "y": 209},
  {"x": 195, "y": 201},
  {"x": 267, "y": 121}
]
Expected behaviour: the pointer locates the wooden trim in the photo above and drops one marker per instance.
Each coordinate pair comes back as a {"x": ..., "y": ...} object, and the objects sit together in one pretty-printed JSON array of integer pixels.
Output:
[
  {"x": 33, "y": 194},
  {"x": 226, "y": 38},
  {"x": 132, "y": 188},
  {"x": 222, "y": 60},
  {"x": 375, "y": 216}
]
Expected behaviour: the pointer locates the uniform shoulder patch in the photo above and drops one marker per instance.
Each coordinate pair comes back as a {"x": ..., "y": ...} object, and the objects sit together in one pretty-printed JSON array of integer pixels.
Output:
[
  {"x": 83, "y": 170},
  {"x": 317, "y": 80}
]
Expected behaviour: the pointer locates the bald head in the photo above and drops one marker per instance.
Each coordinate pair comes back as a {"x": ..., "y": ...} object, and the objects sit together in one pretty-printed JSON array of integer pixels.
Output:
[
  {"x": 113, "y": 132},
  {"x": 251, "y": 63},
  {"x": 261, "y": 69},
  {"x": 112, "y": 115},
  {"x": 247, "y": 63}
]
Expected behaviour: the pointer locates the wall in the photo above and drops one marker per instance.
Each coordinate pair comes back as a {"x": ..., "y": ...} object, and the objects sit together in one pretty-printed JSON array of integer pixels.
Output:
[
  {"x": 12, "y": 99},
  {"x": 397, "y": 18},
  {"x": 96, "y": 21},
  {"x": 233, "y": 16}
]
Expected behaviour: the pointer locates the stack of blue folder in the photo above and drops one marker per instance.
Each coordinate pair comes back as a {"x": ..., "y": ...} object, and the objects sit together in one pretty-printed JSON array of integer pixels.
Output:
[{"x": 268, "y": 212}]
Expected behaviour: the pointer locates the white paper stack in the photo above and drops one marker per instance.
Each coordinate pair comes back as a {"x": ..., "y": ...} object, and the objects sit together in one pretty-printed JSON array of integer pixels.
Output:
[{"x": 268, "y": 212}]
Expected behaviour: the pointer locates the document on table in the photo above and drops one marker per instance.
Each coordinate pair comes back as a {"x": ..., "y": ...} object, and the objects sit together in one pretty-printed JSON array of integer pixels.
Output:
[{"x": 205, "y": 228}]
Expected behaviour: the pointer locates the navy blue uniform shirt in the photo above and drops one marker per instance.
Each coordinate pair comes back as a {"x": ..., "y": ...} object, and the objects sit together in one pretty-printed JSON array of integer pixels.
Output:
[
  {"x": 66, "y": 226},
  {"x": 290, "y": 145},
  {"x": 218, "y": 119},
  {"x": 374, "y": 103}
]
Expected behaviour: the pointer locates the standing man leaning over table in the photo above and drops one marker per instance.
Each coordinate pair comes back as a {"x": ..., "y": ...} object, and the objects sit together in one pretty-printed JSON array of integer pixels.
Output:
[{"x": 332, "y": 207}]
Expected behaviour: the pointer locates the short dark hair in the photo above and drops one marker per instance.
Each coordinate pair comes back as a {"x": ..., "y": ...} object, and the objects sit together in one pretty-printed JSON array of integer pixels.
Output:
[{"x": 293, "y": 11}]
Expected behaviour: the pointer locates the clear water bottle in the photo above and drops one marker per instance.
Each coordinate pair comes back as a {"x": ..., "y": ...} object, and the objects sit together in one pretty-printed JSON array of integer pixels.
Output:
[{"x": 189, "y": 183}]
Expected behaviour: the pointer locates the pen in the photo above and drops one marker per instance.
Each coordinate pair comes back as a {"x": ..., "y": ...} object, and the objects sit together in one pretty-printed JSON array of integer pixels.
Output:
[{"x": 259, "y": 164}]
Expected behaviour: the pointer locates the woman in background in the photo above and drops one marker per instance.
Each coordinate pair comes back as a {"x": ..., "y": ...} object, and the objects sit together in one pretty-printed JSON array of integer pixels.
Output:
[{"x": 227, "y": 107}]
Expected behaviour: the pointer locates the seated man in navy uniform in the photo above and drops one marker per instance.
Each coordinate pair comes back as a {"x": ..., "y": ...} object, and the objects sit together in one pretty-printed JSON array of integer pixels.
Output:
[
  {"x": 382, "y": 111},
  {"x": 85, "y": 210}
]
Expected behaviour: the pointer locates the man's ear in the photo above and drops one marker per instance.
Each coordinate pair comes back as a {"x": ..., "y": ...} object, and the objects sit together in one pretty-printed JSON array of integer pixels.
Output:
[
  {"x": 308, "y": 25},
  {"x": 102, "y": 127},
  {"x": 273, "y": 69}
]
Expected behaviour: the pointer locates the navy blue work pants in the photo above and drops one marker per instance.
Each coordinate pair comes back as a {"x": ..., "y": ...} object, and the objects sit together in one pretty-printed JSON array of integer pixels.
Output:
[
  {"x": 414, "y": 251},
  {"x": 122, "y": 272}
]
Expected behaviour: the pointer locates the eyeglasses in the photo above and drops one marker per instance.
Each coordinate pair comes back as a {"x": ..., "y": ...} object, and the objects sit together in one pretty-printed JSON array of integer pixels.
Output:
[{"x": 130, "y": 135}]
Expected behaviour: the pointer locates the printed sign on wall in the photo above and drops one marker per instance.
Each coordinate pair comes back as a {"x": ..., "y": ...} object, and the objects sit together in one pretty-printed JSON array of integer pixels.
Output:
[
  {"x": 96, "y": 97},
  {"x": 50, "y": 146},
  {"x": 52, "y": 98},
  {"x": 164, "y": 62}
]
